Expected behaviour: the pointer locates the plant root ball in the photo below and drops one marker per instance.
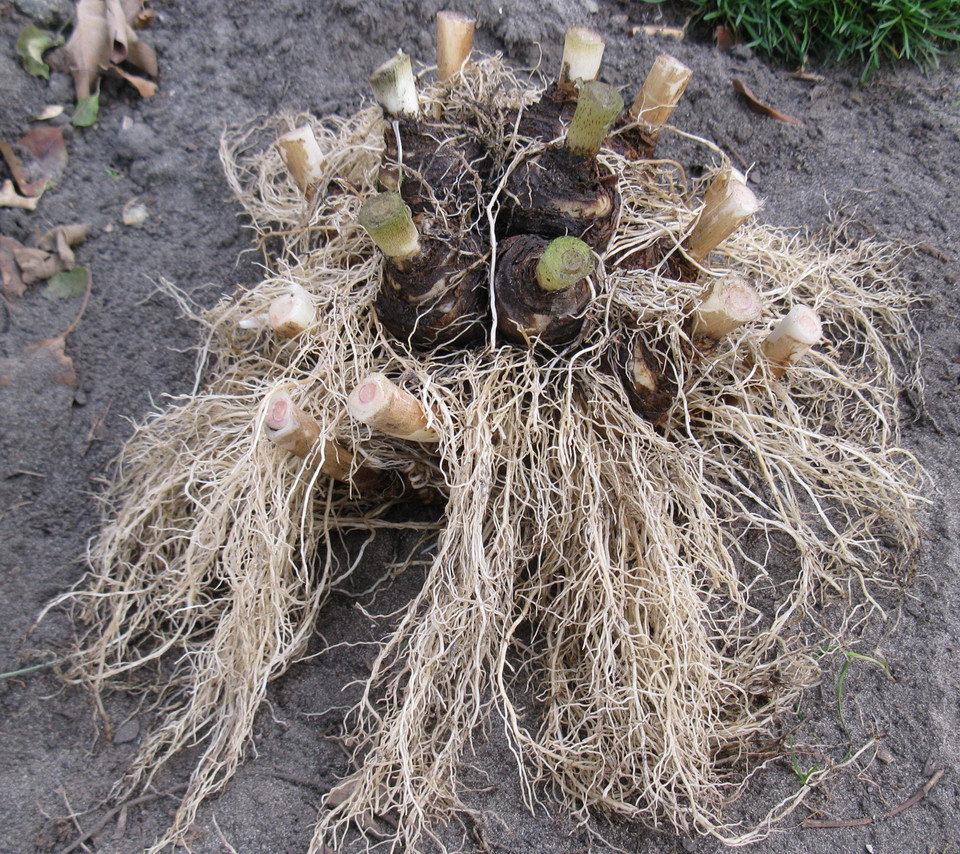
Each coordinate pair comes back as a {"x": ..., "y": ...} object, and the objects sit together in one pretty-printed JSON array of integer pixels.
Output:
[
  {"x": 526, "y": 313},
  {"x": 436, "y": 165},
  {"x": 548, "y": 119},
  {"x": 650, "y": 391},
  {"x": 436, "y": 298},
  {"x": 559, "y": 193}
]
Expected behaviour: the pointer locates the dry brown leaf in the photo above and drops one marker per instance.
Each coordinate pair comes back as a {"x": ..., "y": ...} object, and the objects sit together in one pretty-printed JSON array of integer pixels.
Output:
[
  {"x": 37, "y": 159},
  {"x": 74, "y": 234},
  {"x": 64, "y": 252},
  {"x": 13, "y": 284},
  {"x": 51, "y": 111},
  {"x": 144, "y": 19},
  {"x": 143, "y": 57},
  {"x": 35, "y": 264},
  {"x": 117, "y": 25},
  {"x": 722, "y": 38},
  {"x": 89, "y": 47},
  {"x": 146, "y": 88},
  {"x": 758, "y": 106},
  {"x": 51, "y": 354},
  {"x": 102, "y": 38}
]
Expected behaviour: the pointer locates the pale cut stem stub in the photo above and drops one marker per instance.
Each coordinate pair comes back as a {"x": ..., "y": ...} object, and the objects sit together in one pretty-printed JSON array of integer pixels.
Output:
[
  {"x": 383, "y": 405},
  {"x": 582, "y": 53},
  {"x": 388, "y": 221},
  {"x": 724, "y": 210},
  {"x": 298, "y": 432},
  {"x": 454, "y": 42},
  {"x": 303, "y": 158},
  {"x": 661, "y": 91},
  {"x": 597, "y": 109},
  {"x": 728, "y": 304},
  {"x": 292, "y": 313},
  {"x": 394, "y": 87},
  {"x": 793, "y": 336}
]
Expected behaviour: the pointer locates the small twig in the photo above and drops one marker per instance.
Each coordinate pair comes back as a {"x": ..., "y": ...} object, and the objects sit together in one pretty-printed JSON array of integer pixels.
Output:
[
  {"x": 934, "y": 252},
  {"x": 918, "y": 796},
  {"x": 105, "y": 820},
  {"x": 12, "y": 674},
  {"x": 853, "y": 822},
  {"x": 121, "y": 827}
]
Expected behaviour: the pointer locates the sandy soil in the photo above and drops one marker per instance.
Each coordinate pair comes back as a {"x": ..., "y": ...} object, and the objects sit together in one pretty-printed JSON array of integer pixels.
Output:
[{"x": 888, "y": 152}]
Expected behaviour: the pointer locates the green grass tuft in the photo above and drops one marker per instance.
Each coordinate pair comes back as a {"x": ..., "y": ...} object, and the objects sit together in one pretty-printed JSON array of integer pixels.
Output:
[{"x": 866, "y": 31}]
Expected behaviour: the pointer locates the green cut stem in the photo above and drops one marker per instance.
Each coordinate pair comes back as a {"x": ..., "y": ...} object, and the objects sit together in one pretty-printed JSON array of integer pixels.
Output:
[
  {"x": 566, "y": 261},
  {"x": 597, "y": 109},
  {"x": 390, "y": 225}
]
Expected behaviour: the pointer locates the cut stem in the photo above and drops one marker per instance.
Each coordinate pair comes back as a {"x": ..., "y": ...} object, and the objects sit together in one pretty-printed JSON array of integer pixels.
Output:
[
  {"x": 597, "y": 110},
  {"x": 564, "y": 263},
  {"x": 390, "y": 225},
  {"x": 297, "y": 432},
  {"x": 454, "y": 42},
  {"x": 728, "y": 303},
  {"x": 292, "y": 313},
  {"x": 661, "y": 91},
  {"x": 582, "y": 53},
  {"x": 794, "y": 335},
  {"x": 394, "y": 87},
  {"x": 303, "y": 158},
  {"x": 727, "y": 203},
  {"x": 383, "y": 405}
]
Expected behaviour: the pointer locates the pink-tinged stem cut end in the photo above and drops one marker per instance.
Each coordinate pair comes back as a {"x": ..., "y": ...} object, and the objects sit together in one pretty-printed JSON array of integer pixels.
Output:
[
  {"x": 278, "y": 414},
  {"x": 368, "y": 392}
]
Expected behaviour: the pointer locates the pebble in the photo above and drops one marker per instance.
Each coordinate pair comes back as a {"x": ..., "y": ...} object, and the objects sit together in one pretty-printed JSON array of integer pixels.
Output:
[
  {"x": 136, "y": 141},
  {"x": 60, "y": 89},
  {"x": 127, "y": 732},
  {"x": 155, "y": 170}
]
